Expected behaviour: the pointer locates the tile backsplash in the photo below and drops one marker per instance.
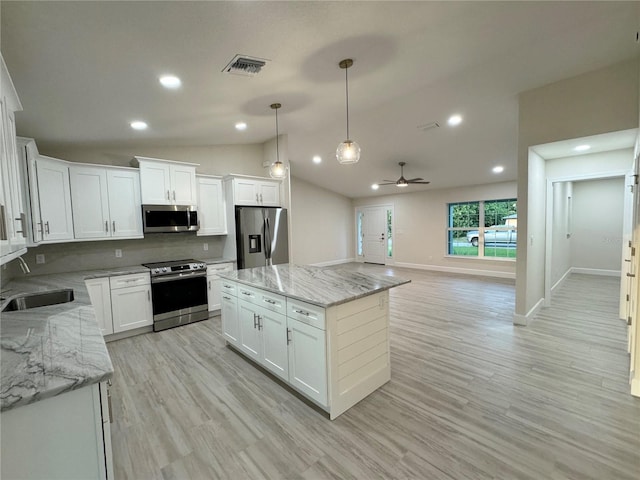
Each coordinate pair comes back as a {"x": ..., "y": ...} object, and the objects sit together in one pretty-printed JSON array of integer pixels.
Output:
[{"x": 71, "y": 257}]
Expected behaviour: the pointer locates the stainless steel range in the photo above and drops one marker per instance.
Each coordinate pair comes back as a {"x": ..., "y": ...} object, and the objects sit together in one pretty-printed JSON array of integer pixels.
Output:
[{"x": 179, "y": 293}]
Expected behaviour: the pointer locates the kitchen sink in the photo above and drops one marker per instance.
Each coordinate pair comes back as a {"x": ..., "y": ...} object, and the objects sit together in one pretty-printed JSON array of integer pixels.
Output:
[{"x": 40, "y": 299}]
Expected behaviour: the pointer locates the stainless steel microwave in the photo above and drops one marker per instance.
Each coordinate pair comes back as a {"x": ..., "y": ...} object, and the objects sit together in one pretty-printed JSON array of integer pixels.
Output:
[{"x": 169, "y": 218}]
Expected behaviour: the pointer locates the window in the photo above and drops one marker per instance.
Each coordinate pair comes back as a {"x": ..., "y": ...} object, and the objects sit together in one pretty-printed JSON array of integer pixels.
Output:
[
  {"x": 389, "y": 232},
  {"x": 486, "y": 229}
]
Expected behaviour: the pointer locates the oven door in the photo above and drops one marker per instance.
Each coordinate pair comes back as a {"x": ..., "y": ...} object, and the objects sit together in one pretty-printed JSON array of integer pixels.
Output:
[{"x": 179, "y": 294}]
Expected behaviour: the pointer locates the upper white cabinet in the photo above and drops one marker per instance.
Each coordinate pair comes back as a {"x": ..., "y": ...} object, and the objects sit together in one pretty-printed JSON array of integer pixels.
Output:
[
  {"x": 28, "y": 153},
  {"x": 54, "y": 200},
  {"x": 165, "y": 182},
  {"x": 254, "y": 191},
  {"x": 211, "y": 211},
  {"x": 13, "y": 228},
  {"x": 106, "y": 202}
]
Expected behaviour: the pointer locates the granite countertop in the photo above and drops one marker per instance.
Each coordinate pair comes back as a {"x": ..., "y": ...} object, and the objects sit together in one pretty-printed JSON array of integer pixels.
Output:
[
  {"x": 50, "y": 350},
  {"x": 320, "y": 286}
]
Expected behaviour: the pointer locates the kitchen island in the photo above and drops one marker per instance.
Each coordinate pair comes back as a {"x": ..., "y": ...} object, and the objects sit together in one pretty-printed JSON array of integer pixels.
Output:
[{"x": 323, "y": 331}]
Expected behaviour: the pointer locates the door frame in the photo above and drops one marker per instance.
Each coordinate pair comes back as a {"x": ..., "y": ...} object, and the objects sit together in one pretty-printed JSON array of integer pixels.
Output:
[{"x": 388, "y": 259}]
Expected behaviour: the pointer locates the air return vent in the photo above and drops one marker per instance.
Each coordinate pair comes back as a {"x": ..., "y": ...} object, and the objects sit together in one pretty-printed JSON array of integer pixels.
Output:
[{"x": 245, "y": 65}]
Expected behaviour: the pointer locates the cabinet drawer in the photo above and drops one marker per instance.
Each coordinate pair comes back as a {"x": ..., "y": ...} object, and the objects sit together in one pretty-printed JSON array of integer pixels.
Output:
[
  {"x": 272, "y": 301},
  {"x": 133, "y": 280},
  {"x": 230, "y": 288},
  {"x": 306, "y": 313},
  {"x": 219, "y": 268}
]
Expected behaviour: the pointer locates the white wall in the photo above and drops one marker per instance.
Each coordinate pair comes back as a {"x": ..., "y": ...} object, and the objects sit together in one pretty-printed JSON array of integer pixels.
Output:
[
  {"x": 596, "y": 240},
  {"x": 560, "y": 240},
  {"x": 420, "y": 227},
  {"x": 322, "y": 225},
  {"x": 593, "y": 164},
  {"x": 605, "y": 100}
]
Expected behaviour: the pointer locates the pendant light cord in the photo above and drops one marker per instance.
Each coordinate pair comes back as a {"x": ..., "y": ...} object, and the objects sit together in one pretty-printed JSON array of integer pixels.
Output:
[
  {"x": 346, "y": 81},
  {"x": 277, "y": 135}
]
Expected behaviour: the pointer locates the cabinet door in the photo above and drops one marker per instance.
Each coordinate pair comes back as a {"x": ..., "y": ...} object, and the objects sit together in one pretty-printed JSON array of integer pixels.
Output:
[
  {"x": 155, "y": 183},
  {"x": 100, "y": 296},
  {"x": 125, "y": 206},
  {"x": 250, "y": 342},
  {"x": 308, "y": 360},
  {"x": 27, "y": 153},
  {"x": 214, "y": 294},
  {"x": 269, "y": 194},
  {"x": 90, "y": 202},
  {"x": 273, "y": 328},
  {"x": 5, "y": 195},
  {"x": 55, "y": 200},
  {"x": 131, "y": 308},
  {"x": 245, "y": 192},
  {"x": 211, "y": 214},
  {"x": 230, "y": 320},
  {"x": 183, "y": 185},
  {"x": 17, "y": 221}
]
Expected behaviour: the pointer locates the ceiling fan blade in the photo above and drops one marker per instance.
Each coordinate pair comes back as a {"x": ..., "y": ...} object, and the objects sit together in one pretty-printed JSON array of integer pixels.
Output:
[
  {"x": 390, "y": 183},
  {"x": 415, "y": 179},
  {"x": 393, "y": 181},
  {"x": 418, "y": 183}
]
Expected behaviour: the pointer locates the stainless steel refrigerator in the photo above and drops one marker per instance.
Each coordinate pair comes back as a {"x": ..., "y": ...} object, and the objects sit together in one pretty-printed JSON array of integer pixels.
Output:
[{"x": 261, "y": 236}]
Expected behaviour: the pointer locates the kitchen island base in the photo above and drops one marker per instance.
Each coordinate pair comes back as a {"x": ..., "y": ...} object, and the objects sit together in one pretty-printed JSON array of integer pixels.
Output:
[{"x": 333, "y": 356}]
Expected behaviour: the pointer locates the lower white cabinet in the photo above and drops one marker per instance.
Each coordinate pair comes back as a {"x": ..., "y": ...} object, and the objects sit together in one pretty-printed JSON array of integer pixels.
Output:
[
  {"x": 131, "y": 301},
  {"x": 306, "y": 353},
  {"x": 230, "y": 322},
  {"x": 273, "y": 335},
  {"x": 63, "y": 437},
  {"x": 100, "y": 295},
  {"x": 214, "y": 284}
]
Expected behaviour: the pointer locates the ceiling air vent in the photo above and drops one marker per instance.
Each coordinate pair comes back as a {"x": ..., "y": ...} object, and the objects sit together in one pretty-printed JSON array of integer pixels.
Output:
[{"x": 245, "y": 65}]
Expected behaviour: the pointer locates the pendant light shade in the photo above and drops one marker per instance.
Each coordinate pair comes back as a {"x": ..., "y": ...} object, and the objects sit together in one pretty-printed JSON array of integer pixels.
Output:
[
  {"x": 277, "y": 168},
  {"x": 348, "y": 152}
]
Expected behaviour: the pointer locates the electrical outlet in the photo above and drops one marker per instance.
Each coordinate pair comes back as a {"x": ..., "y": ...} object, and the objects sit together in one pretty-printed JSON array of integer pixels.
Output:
[
  {"x": 205, "y": 247},
  {"x": 40, "y": 258},
  {"x": 118, "y": 253}
]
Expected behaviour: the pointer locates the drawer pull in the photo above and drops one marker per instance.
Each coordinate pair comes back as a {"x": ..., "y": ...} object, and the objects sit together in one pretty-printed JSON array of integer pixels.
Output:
[
  {"x": 226, "y": 298},
  {"x": 272, "y": 302},
  {"x": 302, "y": 312},
  {"x": 227, "y": 286},
  {"x": 288, "y": 337},
  {"x": 246, "y": 293}
]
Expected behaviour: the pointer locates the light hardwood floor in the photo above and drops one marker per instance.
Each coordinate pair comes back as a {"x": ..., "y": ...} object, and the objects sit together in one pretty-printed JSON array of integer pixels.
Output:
[{"x": 470, "y": 397}]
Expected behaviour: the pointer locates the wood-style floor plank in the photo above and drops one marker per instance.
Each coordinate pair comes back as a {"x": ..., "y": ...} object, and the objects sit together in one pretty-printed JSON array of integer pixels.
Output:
[{"x": 471, "y": 396}]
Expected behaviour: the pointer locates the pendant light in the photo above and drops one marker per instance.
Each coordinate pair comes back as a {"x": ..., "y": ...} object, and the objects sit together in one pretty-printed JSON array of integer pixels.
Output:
[
  {"x": 348, "y": 151},
  {"x": 277, "y": 168}
]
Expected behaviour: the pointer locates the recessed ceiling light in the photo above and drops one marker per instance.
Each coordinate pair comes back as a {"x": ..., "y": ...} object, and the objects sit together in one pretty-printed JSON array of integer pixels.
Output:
[
  {"x": 375, "y": 186},
  {"x": 582, "y": 148},
  {"x": 241, "y": 126},
  {"x": 170, "y": 81},
  {"x": 498, "y": 169},
  {"x": 454, "y": 120},
  {"x": 139, "y": 125},
  {"x": 317, "y": 159}
]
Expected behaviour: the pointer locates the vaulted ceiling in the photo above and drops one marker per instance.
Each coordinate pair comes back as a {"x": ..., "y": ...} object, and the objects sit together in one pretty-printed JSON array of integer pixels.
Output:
[{"x": 85, "y": 70}]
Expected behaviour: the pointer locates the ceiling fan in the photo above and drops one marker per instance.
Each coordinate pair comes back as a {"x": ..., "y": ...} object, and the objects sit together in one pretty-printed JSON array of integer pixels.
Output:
[{"x": 403, "y": 182}]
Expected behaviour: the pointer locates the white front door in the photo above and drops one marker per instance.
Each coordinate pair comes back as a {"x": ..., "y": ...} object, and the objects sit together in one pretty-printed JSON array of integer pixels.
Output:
[{"x": 374, "y": 234}]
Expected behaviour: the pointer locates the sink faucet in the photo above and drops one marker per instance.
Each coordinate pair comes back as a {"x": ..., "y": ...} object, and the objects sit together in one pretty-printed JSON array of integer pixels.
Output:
[{"x": 23, "y": 265}]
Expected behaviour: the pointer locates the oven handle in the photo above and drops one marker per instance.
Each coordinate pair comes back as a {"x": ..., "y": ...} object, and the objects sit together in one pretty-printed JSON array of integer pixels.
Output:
[{"x": 178, "y": 276}]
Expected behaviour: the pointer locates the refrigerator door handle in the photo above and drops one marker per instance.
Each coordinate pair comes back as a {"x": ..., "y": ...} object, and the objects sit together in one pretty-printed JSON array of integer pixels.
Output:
[{"x": 267, "y": 241}]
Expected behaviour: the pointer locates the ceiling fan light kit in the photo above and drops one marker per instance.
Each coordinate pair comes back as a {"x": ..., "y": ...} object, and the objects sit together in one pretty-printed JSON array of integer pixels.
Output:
[
  {"x": 348, "y": 152},
  {"x": 403, "y": 182},
  {"x": 277, "y": 168}
]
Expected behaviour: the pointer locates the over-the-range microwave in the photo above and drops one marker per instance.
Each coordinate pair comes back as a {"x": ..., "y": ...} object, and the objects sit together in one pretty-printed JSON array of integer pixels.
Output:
[{"x": 169, "y": 218}]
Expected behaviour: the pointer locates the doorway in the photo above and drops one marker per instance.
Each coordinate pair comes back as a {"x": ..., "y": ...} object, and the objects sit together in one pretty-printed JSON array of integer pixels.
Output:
[{"x": 374, "y": 234}]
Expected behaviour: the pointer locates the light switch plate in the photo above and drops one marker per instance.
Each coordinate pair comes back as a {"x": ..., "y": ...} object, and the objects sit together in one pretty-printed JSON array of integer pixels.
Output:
[
  {"x": 118, "y": 253},
  {"x": 205, "y": 247},
  {"x": 40, "y": 258}
]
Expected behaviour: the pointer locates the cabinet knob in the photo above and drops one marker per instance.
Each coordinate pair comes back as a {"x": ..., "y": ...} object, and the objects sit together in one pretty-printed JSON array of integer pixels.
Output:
[{"x": 106, "y": 226}]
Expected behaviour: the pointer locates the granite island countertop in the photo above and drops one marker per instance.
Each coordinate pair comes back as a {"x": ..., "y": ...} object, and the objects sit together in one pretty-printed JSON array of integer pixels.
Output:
[{"x": 324, "y": 287}]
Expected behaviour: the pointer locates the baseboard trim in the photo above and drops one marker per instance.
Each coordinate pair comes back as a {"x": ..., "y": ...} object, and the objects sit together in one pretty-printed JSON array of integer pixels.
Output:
[
  {"x": 333, "y": 262},
  {"x": 465, "y": 271},
  {"x": 563, "y": 279},
  {"x": 524, "y": 320},
  {"x": 596, "y": 271}
]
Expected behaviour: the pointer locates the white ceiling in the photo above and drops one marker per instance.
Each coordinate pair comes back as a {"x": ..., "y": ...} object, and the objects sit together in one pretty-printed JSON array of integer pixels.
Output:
[{"x": 84, "y": 70}]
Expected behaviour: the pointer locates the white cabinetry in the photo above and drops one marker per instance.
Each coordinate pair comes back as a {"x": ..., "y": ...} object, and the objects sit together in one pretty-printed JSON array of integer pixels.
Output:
[
  {"x": 164, "y": 182},
  {"x": 131, "y": 301},
  {"x": 106, "y": 202},
  {"x": 13, "y": 226},
  {"x": 214, "y": 284},
  {"x": 254, "y": 191},
  {"x": 67, "y": 436},
  {"x": 307, "y": 360},
  {"x": 100, "y": 295},
  {"x": 55, "y": 199},
  {"x": 229, "y": 313},
  {"x": 211, "y": 210}
]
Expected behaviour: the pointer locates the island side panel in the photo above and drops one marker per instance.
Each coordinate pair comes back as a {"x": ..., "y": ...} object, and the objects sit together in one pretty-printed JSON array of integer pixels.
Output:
[{"x": 358, "y": 346}]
